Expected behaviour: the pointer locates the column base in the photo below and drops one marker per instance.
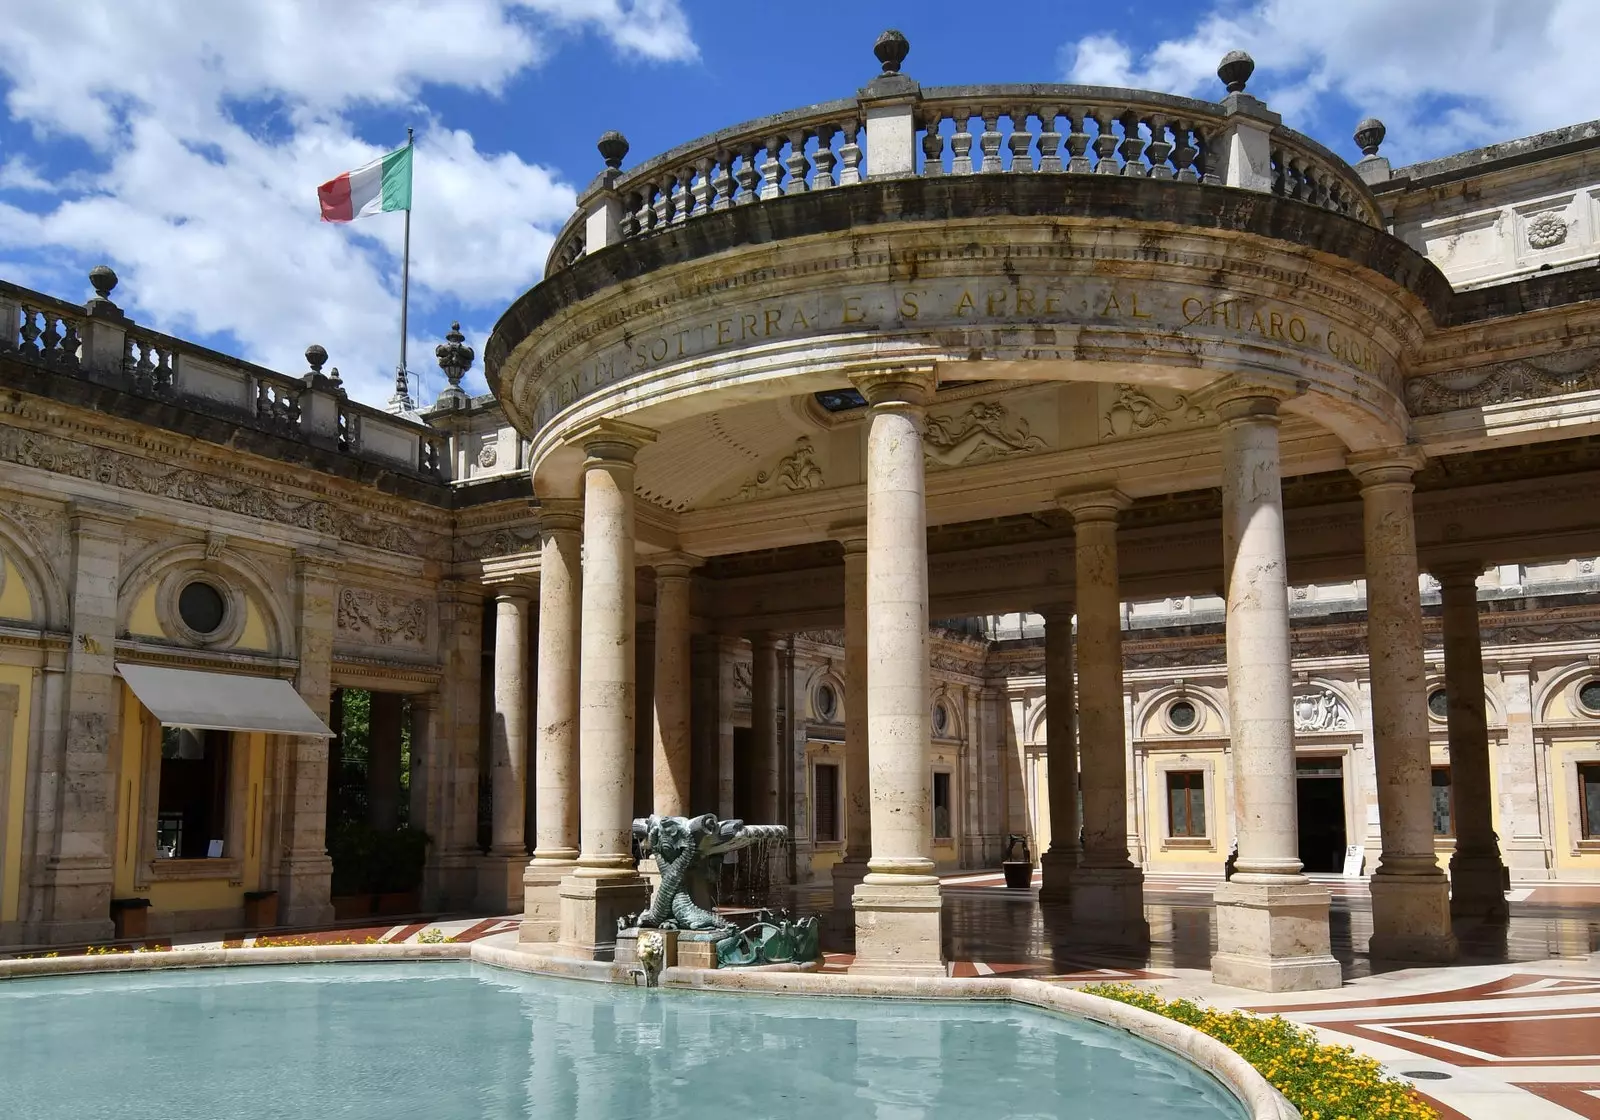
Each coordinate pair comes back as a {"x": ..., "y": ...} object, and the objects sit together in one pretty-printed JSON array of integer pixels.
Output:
[
  {"x": 1411, "y": 918},
  {"x": 77, "y": 896},
  {"x": 450, "y": 881},
  {"x": 1478, "y": 887},
  {"x": 847, "y": 876},
  {"x": 589, "y": 912},
  {"x": 541, "y": 900},
  {"x": 898, "y": 927},
  {"x": 1528, "y": 860},
  {"x": 305, "y": 884},
  {"x": 500, "y": 882},
  {"x": 1108, "y": 906},
  {"x": 1055, "y": 871},
  {"x": 1273, "y": 937}
]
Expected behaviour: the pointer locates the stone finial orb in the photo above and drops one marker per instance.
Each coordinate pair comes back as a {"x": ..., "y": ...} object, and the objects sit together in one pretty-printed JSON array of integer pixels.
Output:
[
  {"x": 891, "y": 49},
  {"x": 1369, "y": 135},
  {"x": 1235, "y": 70},
  {"x": 316, "y": 356},
  {"x": 103, "y": 279},
  {"x": 455, "y": 356},
  {"x": 613, "y": 147}
]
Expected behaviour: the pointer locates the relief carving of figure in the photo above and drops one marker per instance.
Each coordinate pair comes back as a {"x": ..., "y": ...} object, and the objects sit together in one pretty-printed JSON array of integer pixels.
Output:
[
  {"x": 1320, "y": 711},
  {"x": 978, "y": 436},
  {"x": 796, "y": 472},
  {"x": 1138, "y": 411}
]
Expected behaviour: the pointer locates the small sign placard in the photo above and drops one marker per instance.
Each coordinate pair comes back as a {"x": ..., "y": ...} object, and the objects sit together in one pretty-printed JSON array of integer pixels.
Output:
[
  {"x": 214, "y": 850},
  {"x": 1354, "y": 856}
]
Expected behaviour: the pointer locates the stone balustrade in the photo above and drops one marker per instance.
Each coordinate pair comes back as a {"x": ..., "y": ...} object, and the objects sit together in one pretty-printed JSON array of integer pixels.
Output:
[
  {"x": 895, "y": 128},
  {"x": 96, "y": 342}
]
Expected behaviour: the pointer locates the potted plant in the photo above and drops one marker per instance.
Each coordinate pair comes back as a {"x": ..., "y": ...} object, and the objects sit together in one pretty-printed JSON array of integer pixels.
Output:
[{"x": 1019, "y": 872}]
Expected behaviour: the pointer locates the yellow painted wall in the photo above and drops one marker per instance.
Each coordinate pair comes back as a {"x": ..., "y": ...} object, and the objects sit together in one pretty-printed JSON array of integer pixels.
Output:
[
  {"x": 1155, "y": 814},
  {"x": 248, "y": 750},
  {"x": 21, "y": 732},
  {"x": 14, "y": 599},
  {"x": 255, "y": 628},
  {"x": 1565, "y": 834},
  {"x": 143, "y": 620}
]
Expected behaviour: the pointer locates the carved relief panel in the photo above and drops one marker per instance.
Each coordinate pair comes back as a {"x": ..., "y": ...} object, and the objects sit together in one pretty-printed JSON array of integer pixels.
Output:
[{"x": 382, "y": 620}]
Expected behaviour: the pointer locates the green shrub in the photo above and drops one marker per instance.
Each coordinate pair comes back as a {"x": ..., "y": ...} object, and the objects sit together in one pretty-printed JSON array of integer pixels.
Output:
[{"x": 1323, "y": 1082}]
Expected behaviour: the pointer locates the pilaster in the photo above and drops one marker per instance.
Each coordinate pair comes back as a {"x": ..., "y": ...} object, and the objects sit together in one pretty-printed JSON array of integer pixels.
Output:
[
  {"x": 1058, "y": 864},
  {"x": 500, "y": 876},
  {"x": 305, "y": 873}
]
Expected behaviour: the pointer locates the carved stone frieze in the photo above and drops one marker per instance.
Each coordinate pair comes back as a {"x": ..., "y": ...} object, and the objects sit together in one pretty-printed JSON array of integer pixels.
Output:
[
  {"x": 382, "y": 617},
  {"x": 1321, "y": 710},
  {"x": 499, "y": 542},
  {"x": 129, "y": 472},
  {"x": 1522, "y": 379},
  {"x": 794, "y": 473},
  {"x": 46, "y": 528},
  {"x": 981, "y": 434},
  {"x": 1138, "y": 410},
  {"x": 822, "y": 637}
]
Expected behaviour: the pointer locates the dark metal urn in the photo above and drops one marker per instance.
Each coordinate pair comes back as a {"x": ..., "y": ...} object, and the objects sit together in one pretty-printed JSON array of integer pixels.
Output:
[{"x": 1019, "y": 872}]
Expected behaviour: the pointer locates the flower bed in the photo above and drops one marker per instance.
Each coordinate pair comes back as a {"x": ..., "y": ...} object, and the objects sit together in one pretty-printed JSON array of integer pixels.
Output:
[{"x": 1323, "y": 1082}]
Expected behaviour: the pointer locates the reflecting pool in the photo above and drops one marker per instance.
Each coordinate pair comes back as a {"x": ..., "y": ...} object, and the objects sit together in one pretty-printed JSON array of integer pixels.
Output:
[{"x": 446, "y": 1040}]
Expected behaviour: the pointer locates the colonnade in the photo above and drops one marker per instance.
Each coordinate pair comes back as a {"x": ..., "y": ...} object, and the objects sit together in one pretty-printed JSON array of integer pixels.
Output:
[{"x": 1272, "y": 921}]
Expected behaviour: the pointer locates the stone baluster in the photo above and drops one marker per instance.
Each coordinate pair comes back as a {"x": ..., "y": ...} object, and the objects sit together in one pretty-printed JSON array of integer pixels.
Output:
[
  {"x": 1078, "y": 161},
  {"x": 1159, "y": 150},
  {"x": 961, "y": 144},
  {"x": 1105, "y": 143},
  {"x": 1049, "y": 140},
  {"x": 1477, "y": 875},
  {"x": 683, "y": 196},
  {"x": 1410, "y": 894},
  {"x": 989, "y": 141},
  {"x": 1020, "y": 141},
  {"x": 897, "y": 905},
  {"x": 1272, "y": 922},
  {"x": 666, "y": 204},
  {"x": 722, "y": 183},
  {"x": 932, "y": 145},
  {"x": 1132, "y": 147},
  {"x": 772, "y": 169},
  {"x": 797, "y": 163},
  {"x": 823, "y": 160},
  {"x": 700, "y": 196},
  {"x": 747, "y": 176},
  {"x": 606, "y": 884},
  {"x": 850, "y": 154}
]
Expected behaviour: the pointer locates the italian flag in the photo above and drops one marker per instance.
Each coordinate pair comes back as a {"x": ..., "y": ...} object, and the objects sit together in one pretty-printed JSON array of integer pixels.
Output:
[{"x": 382, "y": 185}]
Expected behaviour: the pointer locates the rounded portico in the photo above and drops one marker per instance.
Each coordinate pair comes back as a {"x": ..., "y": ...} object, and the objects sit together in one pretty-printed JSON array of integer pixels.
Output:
[{"x": 1008, "y": 343}]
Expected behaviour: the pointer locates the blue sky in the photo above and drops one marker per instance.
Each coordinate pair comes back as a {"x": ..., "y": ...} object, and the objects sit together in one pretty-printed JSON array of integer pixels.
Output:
[{"x": 181, "y": 141}]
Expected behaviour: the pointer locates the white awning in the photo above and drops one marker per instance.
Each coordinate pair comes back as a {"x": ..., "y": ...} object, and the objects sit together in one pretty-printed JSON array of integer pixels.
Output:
[{"x": 222, "y": 701}]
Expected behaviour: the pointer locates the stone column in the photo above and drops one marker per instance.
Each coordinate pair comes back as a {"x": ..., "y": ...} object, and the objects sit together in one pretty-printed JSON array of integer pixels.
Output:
[
  {"x": 1410, "y": 894},
  {"x": 500, "y": 880},
  {"x": 1061, "y": 727},
  {"x": 763, "y": 760},
  {"x": 1477, "y": 877},
  {"x": 606, "y": 884},
  {"x": 423, "y": 793},
  {"x": 671, "y": 770},
  {"x": 849, "y": 872},
  {"x": 1107, "y": 890},
  {"x": 450, "y": 881},
  {"x": 76, "y": 788},
  {"x": 305, "y": 873},
  {"x": 1522, "y": 796},
  {"x": 897, "y": 905},
  {"x": 383, "y": 762},
  {"x": 1272, "y": 922},
  {"x": 555, "y": 783}
]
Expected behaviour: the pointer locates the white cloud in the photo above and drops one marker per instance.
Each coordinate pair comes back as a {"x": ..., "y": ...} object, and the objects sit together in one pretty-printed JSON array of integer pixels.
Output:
[
  {"x": 213, "y": 227},
  {"x": 1443, "y": 75}
]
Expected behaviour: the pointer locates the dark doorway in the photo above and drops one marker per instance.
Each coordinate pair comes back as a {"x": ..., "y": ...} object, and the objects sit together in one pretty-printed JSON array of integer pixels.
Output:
[{"x": 1321, "y": 809}]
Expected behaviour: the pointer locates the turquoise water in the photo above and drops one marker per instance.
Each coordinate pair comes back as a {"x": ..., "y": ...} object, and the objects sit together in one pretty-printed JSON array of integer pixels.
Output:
[{"x": 449, "y": 1040}]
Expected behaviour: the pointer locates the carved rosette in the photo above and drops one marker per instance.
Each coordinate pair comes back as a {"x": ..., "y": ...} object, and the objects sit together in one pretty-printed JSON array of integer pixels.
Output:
[{"x": 1547, "y": 230}]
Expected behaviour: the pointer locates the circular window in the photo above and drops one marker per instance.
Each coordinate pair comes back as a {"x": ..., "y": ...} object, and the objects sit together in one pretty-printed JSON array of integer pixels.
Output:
[
  {"x": 941, "y": 719},
  {"x": 1439, "y": 704},
  {"x": 1182, "y": 715},
  {"x": 201, "y": 607},
  {"x": 1589, "y": 695},
  {"x": 827, "y": 702}
]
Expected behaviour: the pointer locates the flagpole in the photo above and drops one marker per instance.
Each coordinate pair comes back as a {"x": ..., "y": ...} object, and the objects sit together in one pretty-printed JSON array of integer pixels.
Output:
[{"x": 405, "y": 285}]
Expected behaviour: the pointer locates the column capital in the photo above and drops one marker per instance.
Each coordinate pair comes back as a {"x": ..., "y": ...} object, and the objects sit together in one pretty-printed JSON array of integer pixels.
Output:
[
  {"x": 423, "y": 701},
  {"x": 674, "y": 565},
  {"x": 1386, "y": 467},
  {"x": 1103, "y": 504},
  {"x": 1053, "y": 613},
  {"x": 1458, "y": 573},
  {"x": 517, "y": 589},
  {"x": 88, "y": 515},
  {"x": 612, "y": 441},
  {"x": 850, "y": 533},
  {"x": 912, "y": 388},
  {"x": 1234, "y": 400},
  {"x": 315, "y": 564},
  {"x": 764, "y": 639},
  {"x": 560, "y": 515},
  {"x": 460, "y": 591}
]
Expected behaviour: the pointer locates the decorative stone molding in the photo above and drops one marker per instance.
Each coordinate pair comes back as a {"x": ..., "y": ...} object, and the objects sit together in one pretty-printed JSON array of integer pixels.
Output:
[
  {"x": 1321, "y": 710},
  {"x": 1521, "y": 379},
  {"x": 382, "y": 616},
  {"x": 979, "y": 435},
  {"x": 1137, "y": 410},
  {"x": 488, "y": 455},
  {"x": 500, "y": 542},
  {"x": 112, "y": 468},
  {"x": 1547, "y": 230},
  {"x": 796, "y": 472}
]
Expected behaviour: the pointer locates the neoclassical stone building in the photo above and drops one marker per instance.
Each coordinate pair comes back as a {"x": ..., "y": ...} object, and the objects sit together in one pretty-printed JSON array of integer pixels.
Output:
[{"x": 787, "y": 396}]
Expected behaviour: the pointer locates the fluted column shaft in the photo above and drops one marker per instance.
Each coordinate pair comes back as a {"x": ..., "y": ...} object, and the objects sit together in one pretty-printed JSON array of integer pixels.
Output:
[
  {"x": 1477, "y": 874},
  {"x": 508, "y": 730},
  {"x": 1410, "y": 895},
  {"x": 763, "y": 760},
  {"x": 670, "y": 773},
  {"x": 1272, "y": 922},
  {"x": 1061, "y": 754},
  {"x": 556, "y": 744},
  {"x": 897, "y": 905}
]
